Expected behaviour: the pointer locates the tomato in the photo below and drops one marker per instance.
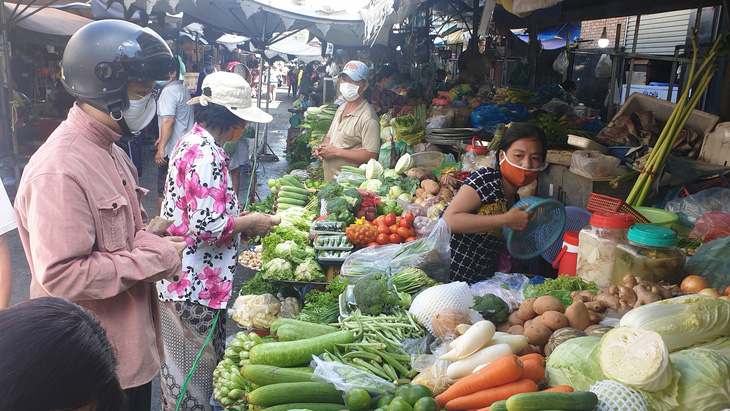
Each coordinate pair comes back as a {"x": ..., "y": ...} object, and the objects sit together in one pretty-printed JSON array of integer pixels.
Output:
[
  {"x": 403, "y": 223},
  {"x": 409, "y": 239},
  {"x": 382, "y": 229},
  {"x": 378, "y": 219},
  {"x": 403, "y": 232},
  {"x": 393, "y": 228},
  {"x": 412, "y": 231},
  {"x": 389, "y": 219},
  {"x": 382, "y": 239},
  {"x": 395, "y": 239},
  {"x": 397, "y": 219},
  {"x": 409, "y": 217},
  {"x": 372, "y": 244}
]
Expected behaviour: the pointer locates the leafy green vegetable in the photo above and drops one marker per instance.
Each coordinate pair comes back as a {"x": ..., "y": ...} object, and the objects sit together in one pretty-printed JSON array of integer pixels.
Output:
[
  {"x": 277, "y": 269},
  {"x": 353, "y": 198},
  {"x": 281, "y": 234},
  {"x": 291, "y": 251},
  {"x": 411, "y": 280},
  {"x": 371, "y": 185},
  {"x": 373, "y": 295},
  {"x": 297, "y": 217},
  {"x": 559, "y": 288},
  {"x": 300, "y": 150},
  {"x": 309, "y": 270},
  {"x": 575, "y": 363},
  {"x": 636, "y": 357},
  {"x": 491, "y": 307},
  {"x": 257, "y": 285},
  {"x": 322, "y": 307},
  {"x": 557, "y": 129},
  {"x": 704, "y": 382},
  {"x": 265, "y": 206}
]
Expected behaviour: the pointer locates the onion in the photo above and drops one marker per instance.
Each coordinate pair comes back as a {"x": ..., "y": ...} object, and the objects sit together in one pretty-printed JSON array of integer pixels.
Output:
[
  {"x": 710, "y": 291},
  {"x": 727, "y": 291},
  {"x": 693, "y": 284}
]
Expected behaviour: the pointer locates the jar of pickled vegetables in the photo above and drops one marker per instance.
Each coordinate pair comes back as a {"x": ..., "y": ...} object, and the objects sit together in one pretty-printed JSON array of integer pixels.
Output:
[
  {"x": 597, "y": 244},
  {"x": 651, "y": 253}
]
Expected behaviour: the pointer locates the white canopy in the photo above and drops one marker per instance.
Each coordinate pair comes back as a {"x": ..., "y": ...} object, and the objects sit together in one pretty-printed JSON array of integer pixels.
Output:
[{"x": 45, "y": 20}]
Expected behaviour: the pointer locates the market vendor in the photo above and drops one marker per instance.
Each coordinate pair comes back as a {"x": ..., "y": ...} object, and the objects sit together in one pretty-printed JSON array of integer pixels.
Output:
[
  {"x": 382, "y": 96},
  {"x": 354, "y": 135},
  {"x": 483, "y": 205}
]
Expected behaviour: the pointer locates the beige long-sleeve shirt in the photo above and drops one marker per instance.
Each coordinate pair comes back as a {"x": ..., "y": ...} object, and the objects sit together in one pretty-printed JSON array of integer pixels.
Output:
[{"x": 80, "y": 221}]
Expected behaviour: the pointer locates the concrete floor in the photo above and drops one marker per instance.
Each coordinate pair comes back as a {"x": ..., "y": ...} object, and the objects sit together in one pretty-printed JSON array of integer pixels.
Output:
[{"x": 276, "y": 136}]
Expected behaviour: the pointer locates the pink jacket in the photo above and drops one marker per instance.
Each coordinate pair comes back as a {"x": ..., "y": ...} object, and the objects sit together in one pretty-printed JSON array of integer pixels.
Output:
[{"x": 80, "y": 220}]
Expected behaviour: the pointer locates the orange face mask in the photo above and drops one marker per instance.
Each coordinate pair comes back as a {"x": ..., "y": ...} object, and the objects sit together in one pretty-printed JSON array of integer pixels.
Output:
[
  {"x": 230, "y": 146},
  {"x": 516, "y": 175}
]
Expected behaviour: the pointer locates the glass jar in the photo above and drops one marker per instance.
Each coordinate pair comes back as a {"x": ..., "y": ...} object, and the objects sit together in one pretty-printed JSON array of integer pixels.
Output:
[
  {"x": 461, "y": 116},
  {"x": 438, "y": 108},
  {"x": 651, "y": 253},
  {"x": 597, "y": 245}
]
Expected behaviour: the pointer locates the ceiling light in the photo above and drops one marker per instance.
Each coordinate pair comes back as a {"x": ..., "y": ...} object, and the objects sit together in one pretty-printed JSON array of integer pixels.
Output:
[{"x": 603, "y": 41}]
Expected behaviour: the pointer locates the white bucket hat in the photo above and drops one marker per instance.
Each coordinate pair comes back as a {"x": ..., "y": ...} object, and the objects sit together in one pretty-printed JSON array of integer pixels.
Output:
[{"x": 231, "y": 91}]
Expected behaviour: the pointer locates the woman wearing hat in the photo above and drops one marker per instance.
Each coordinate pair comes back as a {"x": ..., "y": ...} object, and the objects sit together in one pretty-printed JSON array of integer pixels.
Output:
[
  {"x": 354, "y": 136},
  {"x": 201, "y": 200}
]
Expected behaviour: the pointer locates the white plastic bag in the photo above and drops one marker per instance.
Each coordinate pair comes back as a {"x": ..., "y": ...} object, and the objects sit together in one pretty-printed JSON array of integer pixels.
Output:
[
  {"x": 593, "y": 164},
  {"x": 561, "y": 62},
  {"x": 345, "y": 378},
  {"x": 603, "y": 68}
]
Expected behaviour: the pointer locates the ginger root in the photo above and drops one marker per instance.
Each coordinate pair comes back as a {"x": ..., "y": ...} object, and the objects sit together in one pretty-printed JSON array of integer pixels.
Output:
[{"x": 645, "y": 296}]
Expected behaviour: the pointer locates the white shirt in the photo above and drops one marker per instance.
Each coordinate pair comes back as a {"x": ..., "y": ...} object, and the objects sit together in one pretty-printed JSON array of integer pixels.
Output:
[{"x": 7, "y": 216}]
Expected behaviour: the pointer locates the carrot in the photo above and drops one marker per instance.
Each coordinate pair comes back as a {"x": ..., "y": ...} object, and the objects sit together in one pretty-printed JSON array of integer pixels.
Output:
[
  {"x": 559, "y": 388},
  {"x": 533, "y": 355},
  {"x": 501, "y": 371},
  {"x": 533, "y": 369},
  {"x": 485, "y": 398}
]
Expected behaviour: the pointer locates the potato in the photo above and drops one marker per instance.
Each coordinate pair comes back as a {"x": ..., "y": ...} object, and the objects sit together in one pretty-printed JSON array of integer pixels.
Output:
[
  {"x": 526, "y": 311},
  {"x": 546, "y": 303},
  {"x": 554, "y": 320},
  {"x": 420, "y": 193},
  {"x": 527, "y": 324},
  {"x": 513, "y": 319},
  {"x": 516, "y": 330},
  {"x": 527, "y": 350},
  {"x": 577, "y": 315},
  {"x": 537, "y": 320},
  {"x": 537, "y": 334},
  {"x": 539, "y": 349},
  {"x": 430, "y": 186},
  {"x": 504, "y": 327}
]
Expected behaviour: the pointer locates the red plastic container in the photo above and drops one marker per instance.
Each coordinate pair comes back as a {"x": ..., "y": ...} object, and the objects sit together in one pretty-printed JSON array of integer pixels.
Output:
[{"x": 568, "y": 257}]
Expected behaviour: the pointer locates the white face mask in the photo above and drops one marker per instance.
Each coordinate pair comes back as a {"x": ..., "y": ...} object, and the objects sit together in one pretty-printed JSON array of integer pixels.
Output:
[
  {"x": 140, "y": 112},
  {"x": 349, "y": 91}
]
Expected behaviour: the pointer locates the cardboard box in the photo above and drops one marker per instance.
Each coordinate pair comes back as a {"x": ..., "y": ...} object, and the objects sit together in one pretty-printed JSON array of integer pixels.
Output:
[
  {"x": 716, "y": 146},
  {"x": 699, "y": 121},
  {"x": 639, "y": 77}
]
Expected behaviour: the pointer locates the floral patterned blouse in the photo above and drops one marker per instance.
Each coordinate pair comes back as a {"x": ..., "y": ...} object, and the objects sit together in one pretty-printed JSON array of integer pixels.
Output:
[{"x": 199, "y": 198}]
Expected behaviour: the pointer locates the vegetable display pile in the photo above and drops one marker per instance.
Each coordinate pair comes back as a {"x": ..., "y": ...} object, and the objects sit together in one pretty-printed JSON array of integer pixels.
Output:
[
  {"x": 228, "y": 384},
  {"x": 289, "y": 191}
]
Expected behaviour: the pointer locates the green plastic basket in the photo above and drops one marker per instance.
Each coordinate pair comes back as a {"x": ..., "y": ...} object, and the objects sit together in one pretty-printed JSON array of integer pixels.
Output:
[{"x": 544, "y": 227}]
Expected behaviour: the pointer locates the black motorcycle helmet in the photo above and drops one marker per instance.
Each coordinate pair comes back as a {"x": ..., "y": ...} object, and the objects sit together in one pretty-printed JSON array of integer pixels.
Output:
[{"x": 103, "y": 57}]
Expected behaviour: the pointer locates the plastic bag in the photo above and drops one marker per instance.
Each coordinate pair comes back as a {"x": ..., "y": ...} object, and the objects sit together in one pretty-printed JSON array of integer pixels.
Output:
[
  {"x": 351, "y": 180},
  {"x": 345, "y": 378},
  {"x": 593, "y": 164},
  {"x": 431, "y": 254},
  {"x": 512, "y": 295},
  {"x": 257, "y": 311},
  {"x": 689, "y": 209},
  {"x": 561, "y": 62},
  {"x": 710, "y": 226},
  {"x": 487, "y": 116},
  {"x": 290, "y": 307},
  {"x": 520, "y": 75},
  {"x": 603, "y": 68},
  {"x": 437, "y": 122},
  {"x": 559, "y": 108},
  {"x": 432, "y": 371},
  {"x": 712, "y": 262},
  {"x": 423, "y": 225}
]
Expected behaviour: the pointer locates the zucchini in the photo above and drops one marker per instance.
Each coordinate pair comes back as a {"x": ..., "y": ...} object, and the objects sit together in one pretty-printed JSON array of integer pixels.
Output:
[
  {"x": 294, "y": 196},
  {"x": 266, "y": 374},
  {"x": 570, "y": 401},
  {"x": 291, "y": 332},
  {"x": 305, "y": 406},
  {"x": 289, "y": 392},
  {"x": 301, "y": 324},
  {"x": 291, "y": 353},
  {"x": 290, "y": 189}
]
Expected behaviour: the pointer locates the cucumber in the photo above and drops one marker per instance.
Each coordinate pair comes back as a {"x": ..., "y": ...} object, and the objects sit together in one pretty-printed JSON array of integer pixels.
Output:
[
  {"x": 266, "y": 374},
  {"x": 570, "y": 401},
  {"x": 498, "y": 406},
  {"x": 301, "y": 324},
  {"x": 284, "y": 206},
  {"x": 293, "y": 181},
  {"x": 291, "y": 332},
  {"x": 291, "y": 201},
  {"x": 292, "y": 353},
  {"x": 295, "y": 190},
  {"x": 294, "y": 196},
  {"x": 289, "y": 392},
  {"x": 305, "y": 406}
]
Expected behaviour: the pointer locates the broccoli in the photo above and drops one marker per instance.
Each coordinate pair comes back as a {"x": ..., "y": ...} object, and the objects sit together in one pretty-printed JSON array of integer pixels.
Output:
[
  {"x": 492, "y": 308},
  {"x": 374, "y": 295}
]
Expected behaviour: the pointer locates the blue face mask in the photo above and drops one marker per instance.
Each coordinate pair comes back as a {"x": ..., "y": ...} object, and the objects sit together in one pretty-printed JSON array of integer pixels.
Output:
[
  {"x": 390, "y": 85},
  {"x": 208, "y": 68}
]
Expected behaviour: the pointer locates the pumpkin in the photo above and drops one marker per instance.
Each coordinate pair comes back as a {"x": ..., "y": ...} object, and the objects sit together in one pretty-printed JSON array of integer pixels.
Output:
[
  {"x": 560, "y": 336},
  {"x": 597, "y": 330}
]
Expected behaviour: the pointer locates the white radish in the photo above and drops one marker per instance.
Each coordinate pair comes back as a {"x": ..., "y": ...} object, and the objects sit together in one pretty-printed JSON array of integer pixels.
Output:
[
  {"x": 461, "y": 328},
  {"x": 449, "y": 356},
  {"x": 453, "y": 343},
  {"x": 517, "y": 342},
  {"x": 462, "y": 368},
  {"x": 475, "y": 338}
]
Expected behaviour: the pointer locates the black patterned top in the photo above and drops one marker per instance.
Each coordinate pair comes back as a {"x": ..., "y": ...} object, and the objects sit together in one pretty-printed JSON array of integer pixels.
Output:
[{"x": 474, "y": 257}]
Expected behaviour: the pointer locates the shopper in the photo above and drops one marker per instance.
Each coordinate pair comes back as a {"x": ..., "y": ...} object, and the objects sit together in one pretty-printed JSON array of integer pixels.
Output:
[
  {"x": 7, "y": 223},
  {"x": 208, "y": 68},
  {"x": 354, "y": 135},
  {"x": 55, "y": 355},
  {"x": 479, "y": 210},
  {"x": 200, "y": 199},
  {"x": 305, "y": 82},
  {"x": 78, "y": 203},
  {"x": 174, "y": 118},
  {"x": 382, "y": 96}
]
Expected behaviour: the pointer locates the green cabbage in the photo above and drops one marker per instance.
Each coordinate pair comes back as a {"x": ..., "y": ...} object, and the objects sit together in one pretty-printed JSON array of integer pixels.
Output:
[
  {"x": 575, "y": 363},
  {"x": 390, "y": 173},
  {"x": 309, "y": 270},
  {"x": 371, "y": 185},
  {"x": 290, "y": 251},
  {"x": 721, "y": 345},
  {"x": 683, "y": 321},
  {"x": 704, "y": 383},
  {"x": 635, "y": 357}
]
